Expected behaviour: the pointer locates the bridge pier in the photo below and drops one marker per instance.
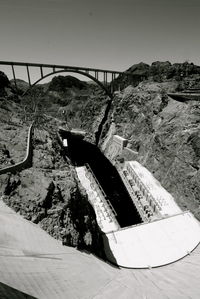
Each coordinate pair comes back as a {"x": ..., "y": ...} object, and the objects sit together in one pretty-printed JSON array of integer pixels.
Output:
[
  {"x": 41, "y": 72},
  {"x": 97, "y": 75},
  {"x": 13, "y": 71},
  {"x": 29, "y": 79}
]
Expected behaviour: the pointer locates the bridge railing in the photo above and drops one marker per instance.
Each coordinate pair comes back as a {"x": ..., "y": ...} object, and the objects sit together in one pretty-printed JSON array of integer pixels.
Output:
[
  {"x": 58, "y": 66},
  {"x": 105, "y": 78}
]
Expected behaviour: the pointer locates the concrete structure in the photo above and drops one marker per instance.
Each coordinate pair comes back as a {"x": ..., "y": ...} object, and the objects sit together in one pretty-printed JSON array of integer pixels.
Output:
[
  {"x": 64, "y": 133},
  {"x": 104, "y": 211},
  {"x": 156, "y": 243},
  {"x": 120, "y": 141},
  {"x": 78, "y": 132},
  {"x": 65, "y": 143},
  {"x": 34, "y": 263},
  {"x": 27, "y": 161},
  {"x": 166, "y": 235},
  {"x": 116, "y": 146},
  {"x": 150, "y": 198},
  {"x": 186, "y": 95}
]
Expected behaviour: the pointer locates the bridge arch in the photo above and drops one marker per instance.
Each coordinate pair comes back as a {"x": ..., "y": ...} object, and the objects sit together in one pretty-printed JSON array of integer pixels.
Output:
[{"x": 107, "y": 91}]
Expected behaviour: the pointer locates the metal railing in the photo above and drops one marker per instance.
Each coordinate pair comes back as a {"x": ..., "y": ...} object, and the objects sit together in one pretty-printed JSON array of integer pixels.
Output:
[{"x": 109, "y": 209}]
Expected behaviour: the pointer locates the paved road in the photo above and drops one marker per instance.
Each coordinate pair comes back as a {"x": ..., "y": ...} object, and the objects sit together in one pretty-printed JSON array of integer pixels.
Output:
[{"x": 34, "y": 263}]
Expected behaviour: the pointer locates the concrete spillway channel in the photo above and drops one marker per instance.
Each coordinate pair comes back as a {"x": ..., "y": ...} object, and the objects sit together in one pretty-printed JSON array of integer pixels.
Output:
[
  {"x": 104, "y": 211},
  {"x": 129, "y": 240},
  {"x": 81, "y": 153}
]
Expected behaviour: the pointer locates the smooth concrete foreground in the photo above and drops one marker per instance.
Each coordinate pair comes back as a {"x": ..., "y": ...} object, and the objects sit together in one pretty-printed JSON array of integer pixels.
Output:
[
  {"x": 156, "y": 243},
  {"x": 34, "y": 265}
]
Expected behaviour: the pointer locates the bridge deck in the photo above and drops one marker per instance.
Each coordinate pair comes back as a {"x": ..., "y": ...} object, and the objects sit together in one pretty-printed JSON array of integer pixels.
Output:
[
  {"x": 34, "y": 263},
  {"x": 58, "y": 66}
]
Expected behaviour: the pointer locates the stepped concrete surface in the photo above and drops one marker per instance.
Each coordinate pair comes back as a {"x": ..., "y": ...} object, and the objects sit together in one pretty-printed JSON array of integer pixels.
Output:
[
  {"x": 105, "y": 219},
  {"x": 34, "y": 265}
]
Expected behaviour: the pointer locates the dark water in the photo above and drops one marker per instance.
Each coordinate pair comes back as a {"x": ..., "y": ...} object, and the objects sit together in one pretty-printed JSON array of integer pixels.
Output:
[{"x": 81, "y": 152}]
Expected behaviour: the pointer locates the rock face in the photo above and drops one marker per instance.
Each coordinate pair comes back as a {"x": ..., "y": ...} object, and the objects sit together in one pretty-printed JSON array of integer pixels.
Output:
[
  {"x": 49, "y": 194},
  {"x": 158, "y": 71},
  {"x": 58, "y": 204},
  {"x": 61, "y": 83},
  {"x": 4, "y": 82},
  {"x": 13, "y": 134},
  {"x": 165, "y": 133}
]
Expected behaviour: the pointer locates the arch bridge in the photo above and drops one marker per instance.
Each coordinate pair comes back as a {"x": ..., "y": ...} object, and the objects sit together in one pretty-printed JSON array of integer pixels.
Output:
[{"x": 104, "y": 78}]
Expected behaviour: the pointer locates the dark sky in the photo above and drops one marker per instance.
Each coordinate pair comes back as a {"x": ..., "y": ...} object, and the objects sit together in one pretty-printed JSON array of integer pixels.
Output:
[{"x": 111, "y": 34}]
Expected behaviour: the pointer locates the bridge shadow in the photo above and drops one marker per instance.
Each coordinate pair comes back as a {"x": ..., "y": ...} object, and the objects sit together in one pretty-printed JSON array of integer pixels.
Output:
[{"x": 8, "y": 292}]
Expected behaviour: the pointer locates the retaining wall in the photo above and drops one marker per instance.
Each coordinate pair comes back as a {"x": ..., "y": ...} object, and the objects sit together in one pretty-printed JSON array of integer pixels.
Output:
[{"x": 27, "y": 162}]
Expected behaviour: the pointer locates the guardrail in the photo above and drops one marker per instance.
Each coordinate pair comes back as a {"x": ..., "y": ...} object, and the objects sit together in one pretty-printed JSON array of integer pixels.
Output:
[
  {"x": 27, "y": 161},
  {"x": 103, "y": 196}
]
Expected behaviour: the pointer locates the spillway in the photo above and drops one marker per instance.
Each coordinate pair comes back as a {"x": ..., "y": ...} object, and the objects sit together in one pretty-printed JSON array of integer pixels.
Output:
[
  {"x": 142, "y": 225},
  {"x": 82, "y": 152}
]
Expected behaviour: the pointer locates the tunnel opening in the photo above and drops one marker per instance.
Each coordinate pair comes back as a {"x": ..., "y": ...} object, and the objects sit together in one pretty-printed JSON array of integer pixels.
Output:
[{"x": 81, "y": 152}]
